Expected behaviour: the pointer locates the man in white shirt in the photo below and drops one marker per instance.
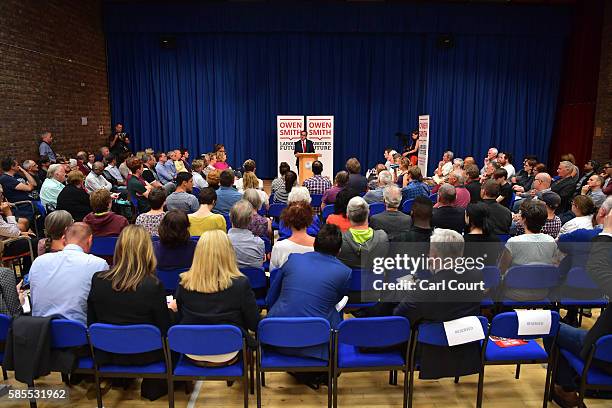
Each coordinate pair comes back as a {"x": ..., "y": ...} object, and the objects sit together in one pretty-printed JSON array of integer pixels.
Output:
[
  {"x": 504, "y": 160},
  {"x": 114, "y": 171},
  {"x": 491, "y": 156},
  {"x": 60, "y": 281},
  {"x": 95, "y": 180}
]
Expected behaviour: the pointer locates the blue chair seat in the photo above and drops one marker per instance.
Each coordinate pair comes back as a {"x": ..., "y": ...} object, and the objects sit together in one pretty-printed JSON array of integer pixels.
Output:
[
  {"x": 185, "y": 368},
  {"x": 527, "y": 303},
  {"x": 530, "y": 351},
  {"x": 487, "y": 302},
  {"x": 582, "y": 302},
  {"x": 260, "y": 302},
  {"x": 595, "y": 376},
  {"x": 155, "y": 368},
  {"x": 274, "y": 225},
  {"x": 350, "y": 356},
  {"x": 85, "y": 363},
  {"x": 271, "y": 359}
]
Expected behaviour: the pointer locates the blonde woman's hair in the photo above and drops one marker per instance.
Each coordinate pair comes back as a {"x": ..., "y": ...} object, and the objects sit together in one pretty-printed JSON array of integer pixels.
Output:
[
  {"x": 250, "y": 180},
  {"x": 214, "y": 264},
  {"x": 134, "y": 259}
]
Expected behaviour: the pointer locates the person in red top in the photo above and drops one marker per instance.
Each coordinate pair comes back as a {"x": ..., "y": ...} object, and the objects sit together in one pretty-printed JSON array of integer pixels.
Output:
[
  {"x": 339, "y": 218},
  {"x": 104, "y": 222}
]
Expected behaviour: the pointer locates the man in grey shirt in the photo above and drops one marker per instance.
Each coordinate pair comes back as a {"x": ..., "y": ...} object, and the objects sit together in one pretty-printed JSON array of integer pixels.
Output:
[
  {"x": 182, "y": 199},
  {"x": 250, "y": 250},
  {"x": 392, "y": 221},
  {"x": 44, "y": 149}
]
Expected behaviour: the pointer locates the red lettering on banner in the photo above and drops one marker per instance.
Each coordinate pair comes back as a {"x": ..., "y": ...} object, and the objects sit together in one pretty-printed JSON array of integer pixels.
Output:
[
  {"x": 291, "y": 125},
  {"x": 320, "y": 125}
]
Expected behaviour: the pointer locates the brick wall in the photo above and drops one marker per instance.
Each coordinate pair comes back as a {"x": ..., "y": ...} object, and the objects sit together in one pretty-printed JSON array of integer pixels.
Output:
[
  {"x": 602, "y": 139},
  {"x": 52, "y": 73}
]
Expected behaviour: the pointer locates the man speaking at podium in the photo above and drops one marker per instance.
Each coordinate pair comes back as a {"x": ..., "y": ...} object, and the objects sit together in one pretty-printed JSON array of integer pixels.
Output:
[{"x": 302, "y": 146}]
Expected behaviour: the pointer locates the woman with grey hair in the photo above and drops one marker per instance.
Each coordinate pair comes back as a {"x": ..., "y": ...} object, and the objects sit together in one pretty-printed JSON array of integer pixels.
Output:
[
  {"x": 259, "y": 226},
  {"x": 361, "y": 242},
  {"x": 250, "y": 249},
  {"x": 300, "y": 194}
]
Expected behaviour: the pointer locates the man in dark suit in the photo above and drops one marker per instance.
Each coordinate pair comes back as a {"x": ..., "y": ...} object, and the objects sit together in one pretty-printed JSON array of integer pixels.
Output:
[
  {"x": 579, "y": 341},
  {"x": 445, "y": 214},
  {"x": 302, "y": 146},
  {"x": 500, "y": 217},
  {"x": 565, "y": 186}
]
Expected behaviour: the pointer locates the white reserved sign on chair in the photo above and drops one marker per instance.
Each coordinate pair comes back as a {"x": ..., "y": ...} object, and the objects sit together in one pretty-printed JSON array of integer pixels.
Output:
[
  {"x": 464, "y": 330},
  {"x": 533, "y": 322}
]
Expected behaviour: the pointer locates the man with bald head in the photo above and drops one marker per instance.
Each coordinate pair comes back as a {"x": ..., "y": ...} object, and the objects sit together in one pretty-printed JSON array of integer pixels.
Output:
[
  {"x": 541, "y": 184},
  {"x": 60, "y": 281}
]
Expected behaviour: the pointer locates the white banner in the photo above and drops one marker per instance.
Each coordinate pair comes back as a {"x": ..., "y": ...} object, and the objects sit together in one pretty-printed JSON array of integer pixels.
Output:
[
  {"x": 423, "y": 143},
  {"x": 288, "y": 132},
  {"x": 321, "y": 133}
]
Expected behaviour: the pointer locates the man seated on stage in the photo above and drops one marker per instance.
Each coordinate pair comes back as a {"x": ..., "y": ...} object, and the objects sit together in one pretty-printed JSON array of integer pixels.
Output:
[
  {"x": 445, "y": 166},
  {"x": 302, "y": 146}
]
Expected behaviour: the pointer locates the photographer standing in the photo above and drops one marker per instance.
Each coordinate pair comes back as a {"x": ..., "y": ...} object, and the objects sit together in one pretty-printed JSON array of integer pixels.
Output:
[{"x": 119, "y": 143}]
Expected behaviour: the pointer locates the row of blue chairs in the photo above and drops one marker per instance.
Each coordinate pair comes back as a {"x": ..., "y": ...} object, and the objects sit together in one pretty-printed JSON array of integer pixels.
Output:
[{"x": 347, "y": 345}]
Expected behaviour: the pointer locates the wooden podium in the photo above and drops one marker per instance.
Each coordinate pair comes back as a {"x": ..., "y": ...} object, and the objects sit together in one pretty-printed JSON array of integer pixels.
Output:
[{"x": 305, "y": 165}]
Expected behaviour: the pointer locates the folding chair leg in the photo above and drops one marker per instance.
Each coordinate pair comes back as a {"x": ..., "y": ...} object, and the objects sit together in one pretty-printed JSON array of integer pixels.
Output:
[
  {"x": 335, "y": 390},
  {"x": 4, "y": 374},
  {"x": 329, "y": 388},
  {"x": 246, "y": 386},
  {"x": 405, "y": 405},
  {"x": 258, "y": 386},
  {"x": 98, "y": 390},
  {"x": 546, "y": 385},
  {"x": 170, "y": 391},
  {"x": 518, "y": 371},
  {"x": 390, "y": 377},
  {"x": 480, "y": 387},
  {"x": 456, "y": 379},
  {"x": 394, "y": 377},
  {"x": 252, "y": 373},
  {"x": 263, "y": 379}
]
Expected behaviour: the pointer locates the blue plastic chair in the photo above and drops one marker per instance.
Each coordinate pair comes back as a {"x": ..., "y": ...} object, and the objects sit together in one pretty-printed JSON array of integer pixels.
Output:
[
  {"x": 274, "y": 212},
  {"x": 68, "y": 334},
  {"x": 228, "y": 222},
  {"x": 433, "y": 334},
  {"x": 531, "y": 277},
  {"x": 512, "y": 200},
  {"x": 377, "y": 208},
  {"x": 357, "y": 284},
  {"x": 274, "y": 274},
  {"x": 315, "y": 200},
  {"x": 434, "y": 198},
  {"x": 506, "y": 325},
  {"x": 296, "y": 333},
  {"x": 503, "y": 238},
  {"x": 354, "y": 334},
  {"x": 327, "y": 211},
  {"x": 134, "y": 202},
  {"x": 5, "y": 324},
  {"x": 195, "y": 191},
  {"x": 579, "y": 279},
  {"x": 207, "y": 340},
  {"x": 170, "y": 278},
  {"x": 126, "y": 340},
  {"x": 591, "y": 377},
  {"x": 263, "y": 211},
  {"x": 103, "y": 246},
  {"x": 492, "y": 279},
  {"x": 257, "y": 279},
  {"x": 407, "y": 206}
]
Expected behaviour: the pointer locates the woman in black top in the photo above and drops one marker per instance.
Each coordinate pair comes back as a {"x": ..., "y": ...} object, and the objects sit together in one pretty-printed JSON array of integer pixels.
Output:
[
  {"x": 129, "y": 293},
  {"x": 175, "y": 248},
  {"x": 213, "y": 291},
  {"x": 479, "y": 239},
  {"x": 73, "y": 198}
]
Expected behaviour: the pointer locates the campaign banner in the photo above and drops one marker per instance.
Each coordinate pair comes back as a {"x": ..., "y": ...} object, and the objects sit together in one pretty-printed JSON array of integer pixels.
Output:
[
  {"x": 321, "y": 133},
  {"x": 288, "y": 132},
  {"x": 423, "y": 143}
]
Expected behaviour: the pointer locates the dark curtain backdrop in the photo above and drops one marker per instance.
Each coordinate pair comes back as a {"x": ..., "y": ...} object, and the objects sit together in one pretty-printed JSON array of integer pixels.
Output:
[{"x": 375, "y": 68}]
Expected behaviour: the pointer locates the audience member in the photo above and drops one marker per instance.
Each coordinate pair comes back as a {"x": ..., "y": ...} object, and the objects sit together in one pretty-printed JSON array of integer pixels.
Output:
[
  {"x": 53, "y": 185},
  {"x": 137, "y": 187},
  {"x": 60, "y": 281},
  {"x": 95, "y": 180},
  {"x": 523, "y": 181},
  {"x": 250, "y": 249},
  {"x": 213, "y": 291},
  {"x": 445, "y": 166},
  {"x": 310, "y": 285},
  {"x": 279, "y": 181},
  {"x": 421, "y": 228},
  {"x": 592, "y": 189},
  {"x": 565, "y": 185},
  {"x": 31, "y": 167},
  {"x": 10, "y": 299},
  {"x": 541, "y": 184},
  {"x": 249, "y": 180},
  {"x": 340, "y": 182},
  {"x": 462, "y": 195},
  {"x": 505, "y": 189},
  {"x": 297, "y": 216},
  {"x": 372, "y": 176},
  {"x": 221, "y": 163},
  {"x": 259, "y": 225},
  {"x": 151, "y": 219},
  {"x": 505, "y": 161},
  {"x": 174, "y": 250},
  {"x": 360, "y": 242},
  {"x": 339, "y": 218},
  {"x": 213, "y": 178},
  {"x": 198, "y": 178},
  {"x": 531, "y": 248},
  {"x": 82, "y": 163},
  {"x": 356, "y": 181},
  {"x": 112, "y": 171},
  {"x": 552, "y": 226},
  {"x": 299, "y": 194},
  {"x": 56, "y": 223},
  {"x": 376, "y": 195},
  {"x": 473, "y": 183},
  {"x": 43, "y": 166},
  {"x": 73, "y": 198},
  {"x": 227, "y": 195},
  {"x": 584, "y": 210},
  {"x": 479, "y": 239},
  {"x": 44, "y": 148},
  {"x": 392, "y": 221},
  {"x": 249, "y": 175},
  {"x": 165, "y": 172},
  {"x": 104, "y": 222},
  {"x": 282, "y": 193},
  {"x": 445, "y": 214},
  {"x": 415, "y": 187},
  {"x": 491, "y": 157},
  {"x": 400, "y": 178},
  {"x": 204, "y": 219},
  {"x": 500, "y": 216},
  {"x": 182, "y": 199}
]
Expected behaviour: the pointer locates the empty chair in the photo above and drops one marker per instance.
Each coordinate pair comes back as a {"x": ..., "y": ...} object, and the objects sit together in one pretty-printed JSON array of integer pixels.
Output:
[
  {"x": 259, "y": 283},
  {"x": 530, "y": 279},
  {"x": 170, "y": 278},
  {"x": 578, "y": 281},
  {"x": 354, "y": 334},
  {"x": 68, "y": 334},
  {"x": 492, "y": 279},
  {"x": 376, "y": 208},
  {"x": 327, "y": 211},
  {"x": 294, "y": 333},
  {"x": 103, "y": 246},
  {"x": 201, "y": 340},
  {"x": 506, "y": 325}
]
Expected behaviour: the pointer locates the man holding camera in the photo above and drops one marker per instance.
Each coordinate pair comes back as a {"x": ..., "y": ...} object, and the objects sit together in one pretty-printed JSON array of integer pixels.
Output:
[{"x": 119, "y": 143}]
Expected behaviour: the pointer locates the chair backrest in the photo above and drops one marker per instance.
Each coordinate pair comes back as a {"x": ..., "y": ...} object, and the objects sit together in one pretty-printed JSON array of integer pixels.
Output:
[
  {"x": 434, "y": 334},
  {"x": 532, "y": 277},
  {"x": 263, "y": 211},
  {"x": 491, "y": 276},
  {"x": 40, "y": 207},
  {"x": 377, "y": 208},
  {"x": 327, "y": 211},
  {"x": 274, "y": 274},
  {"x": 134, "y": 202},
  {"x": 407, "y": 206},
  {"x": 293, "y": 331},
  {"x": 512, "y": 199},
  {"x": 228, "y": 222},
  {"x": 195, "y": 191},
  {"x": 315, "y": 200},
  {"x": 138, "y": 338},
  {"x": 68, "y": 333},
  {"x": 276, "y": 209},
  {"x": 205, "y": 340},
  {"x": 170, "y": 277},
  {"x": 374, "y": 331},
  {"x": 434, "y": 198},
  {"x": 267, "y": 244},
  {"x": 5, "y": 324},
  {"x": 503, "y": 238},
  {"x": 603, "y": 348},
  {"x": 578, "y": 277},
  {"x": 103, "y": 246},
  {"x": 506, "y": 325},
  {"x": 257, "y": 277},
  {"x": 195, "y": 238}
]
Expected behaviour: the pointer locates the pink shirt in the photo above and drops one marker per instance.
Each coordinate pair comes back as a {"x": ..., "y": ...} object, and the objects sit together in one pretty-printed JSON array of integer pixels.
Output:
[{"x": 221, "y": 166}]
